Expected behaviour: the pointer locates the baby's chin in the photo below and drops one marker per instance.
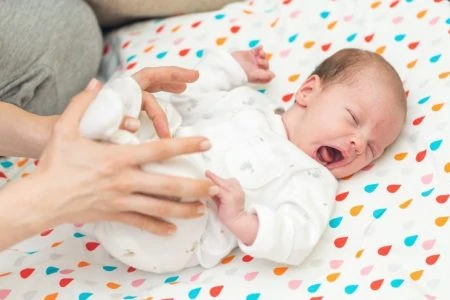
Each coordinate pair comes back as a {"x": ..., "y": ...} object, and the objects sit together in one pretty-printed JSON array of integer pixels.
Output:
[
  {"x": 344, "y": 172},
  {"x": 339, "y": 174}
]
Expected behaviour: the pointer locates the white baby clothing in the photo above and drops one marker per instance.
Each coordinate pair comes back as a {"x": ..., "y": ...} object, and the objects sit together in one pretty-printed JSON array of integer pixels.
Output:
[{"x": 291, "y": 194}]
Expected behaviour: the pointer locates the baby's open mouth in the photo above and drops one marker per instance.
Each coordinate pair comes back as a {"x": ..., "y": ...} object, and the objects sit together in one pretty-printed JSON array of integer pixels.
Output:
[{"x": 328, "y": 155}]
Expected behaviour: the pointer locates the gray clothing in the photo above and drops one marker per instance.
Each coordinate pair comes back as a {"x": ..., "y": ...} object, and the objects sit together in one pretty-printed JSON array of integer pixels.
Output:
[
  {"x": 50, "y": 49},
  {"x": 117, "y": 12}
]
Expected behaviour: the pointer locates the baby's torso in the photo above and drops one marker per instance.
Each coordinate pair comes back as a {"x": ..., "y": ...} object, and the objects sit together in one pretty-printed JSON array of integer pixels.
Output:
[{"x": 249, "y": 143}]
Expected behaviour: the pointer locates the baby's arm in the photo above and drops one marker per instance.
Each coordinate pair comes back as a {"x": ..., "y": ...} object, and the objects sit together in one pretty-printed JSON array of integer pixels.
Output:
[
  {"x": 287, "y": 229},
  {"x": 218, "y": 71},
  {"x": 255, "y": 64},
  {"x": 229, "y": 197},
  {"x": 221, "y": 72}
]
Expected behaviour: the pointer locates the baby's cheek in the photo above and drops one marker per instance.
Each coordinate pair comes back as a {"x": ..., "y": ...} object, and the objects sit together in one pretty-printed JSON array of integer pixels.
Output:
[{"x": 365, "y": 163}]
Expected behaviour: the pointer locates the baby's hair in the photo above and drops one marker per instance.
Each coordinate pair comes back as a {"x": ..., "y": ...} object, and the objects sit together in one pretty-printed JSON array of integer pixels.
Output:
[{"x": 346, "y": 65}]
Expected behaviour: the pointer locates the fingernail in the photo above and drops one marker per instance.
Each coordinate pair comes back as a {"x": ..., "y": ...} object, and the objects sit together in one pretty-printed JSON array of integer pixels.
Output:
[
  {"x": 132, "y": 124},
  {"x": 201, "y": 209},
  {"x": 205, "y": 145},
  {"x": 171, "y": 230},
  {"x": 92, "y": 84},
  {"x": 213, "y": 190}
]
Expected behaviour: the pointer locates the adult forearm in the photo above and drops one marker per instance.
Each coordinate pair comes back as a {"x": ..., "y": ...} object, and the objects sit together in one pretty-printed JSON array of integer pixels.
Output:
[{"x": 23, "y": 133}]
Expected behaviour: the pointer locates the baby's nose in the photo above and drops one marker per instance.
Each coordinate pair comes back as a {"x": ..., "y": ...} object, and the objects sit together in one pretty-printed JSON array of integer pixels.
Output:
[{"x": 358, "y": 145}]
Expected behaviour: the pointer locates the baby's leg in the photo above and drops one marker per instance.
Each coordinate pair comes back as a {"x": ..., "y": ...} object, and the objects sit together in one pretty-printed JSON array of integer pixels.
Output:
[
  {"x": 150, "y": 252},
  {"x": 130, "y": 245},
  {"x": 142, "y": 249}
]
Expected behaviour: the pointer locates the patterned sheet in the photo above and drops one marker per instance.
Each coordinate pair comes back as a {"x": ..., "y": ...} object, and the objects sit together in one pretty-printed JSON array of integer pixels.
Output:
[{"x": 389, "y": 236}]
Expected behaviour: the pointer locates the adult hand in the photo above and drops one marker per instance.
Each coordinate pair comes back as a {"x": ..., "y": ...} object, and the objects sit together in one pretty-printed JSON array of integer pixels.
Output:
[
  {"x": 151, "y": 80},
  {"x": 79, "y": 180}
]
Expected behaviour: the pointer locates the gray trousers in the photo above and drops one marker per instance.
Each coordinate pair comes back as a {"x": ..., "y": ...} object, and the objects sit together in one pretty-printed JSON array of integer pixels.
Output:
[{"x": 49, "y": 50}]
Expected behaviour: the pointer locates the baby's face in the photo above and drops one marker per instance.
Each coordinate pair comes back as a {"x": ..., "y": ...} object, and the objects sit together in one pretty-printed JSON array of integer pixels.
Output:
[{"x": 344, "y": 127}]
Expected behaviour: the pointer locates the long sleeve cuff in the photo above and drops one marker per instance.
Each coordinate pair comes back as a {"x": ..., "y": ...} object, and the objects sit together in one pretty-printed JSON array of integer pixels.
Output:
[
  {"x": 218, "y": 71},
  {"x": 263, "y": 246}
]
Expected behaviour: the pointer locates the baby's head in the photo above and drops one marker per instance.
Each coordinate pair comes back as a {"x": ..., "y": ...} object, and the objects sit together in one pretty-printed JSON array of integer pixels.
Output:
[{"x": 348, "y": 111}]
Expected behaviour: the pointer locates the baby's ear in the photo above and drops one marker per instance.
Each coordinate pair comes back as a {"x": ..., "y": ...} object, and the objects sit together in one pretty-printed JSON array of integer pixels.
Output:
[{"x": 307, "y": 90}]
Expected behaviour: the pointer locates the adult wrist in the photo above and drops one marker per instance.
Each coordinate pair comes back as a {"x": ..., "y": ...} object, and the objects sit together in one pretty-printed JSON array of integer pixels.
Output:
[
  {"x": 41, "y": 135},
  {"x": 23, "y": 212}
]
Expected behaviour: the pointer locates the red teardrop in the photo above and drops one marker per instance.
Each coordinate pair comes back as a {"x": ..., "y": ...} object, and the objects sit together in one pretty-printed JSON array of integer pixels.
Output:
[
  {"x": 340, "y": 242},
  {"x": 384, "y": 250},
  {"x": 65, "y": 281},
  {"x": 375, "y": 285},
  {"x": 215, "y": 291},
  {"x": 91, "y": 246},
  {"x": 341, "y": 196}
]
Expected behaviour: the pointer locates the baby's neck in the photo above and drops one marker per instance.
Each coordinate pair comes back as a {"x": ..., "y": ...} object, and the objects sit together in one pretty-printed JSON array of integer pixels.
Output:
[
  {"x": 290, "y": 119},
  {"x": 285, "y": 125}
]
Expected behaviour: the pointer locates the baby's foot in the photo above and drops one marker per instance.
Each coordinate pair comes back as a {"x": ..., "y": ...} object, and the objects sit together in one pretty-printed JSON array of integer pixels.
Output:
[{"x": 117, "y": 99}]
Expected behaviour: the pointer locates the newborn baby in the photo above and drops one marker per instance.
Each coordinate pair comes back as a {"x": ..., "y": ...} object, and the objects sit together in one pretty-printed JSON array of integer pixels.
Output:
[{"x": 274, "y": 174}]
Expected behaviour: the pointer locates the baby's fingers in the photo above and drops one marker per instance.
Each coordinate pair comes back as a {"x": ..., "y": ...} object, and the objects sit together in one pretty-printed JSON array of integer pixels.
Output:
[
  {"x": 220, "y": 182},
  {"x": 224, "y": 187},
  {"x": 215, "y": 194},
  {"x": 258, "y": 51},
  {"x": 263, "y": 63},
  {"x": 261, "y": 76},
  {"x": 215, "y": 191}
]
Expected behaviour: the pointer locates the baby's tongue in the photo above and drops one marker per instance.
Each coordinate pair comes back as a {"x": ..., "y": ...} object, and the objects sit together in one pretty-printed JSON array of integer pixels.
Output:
[{"x": 327, "y": 154}]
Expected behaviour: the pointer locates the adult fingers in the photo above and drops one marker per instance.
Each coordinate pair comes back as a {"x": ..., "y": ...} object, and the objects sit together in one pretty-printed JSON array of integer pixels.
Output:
[
  {"x": 159, "y": 208},
  {"x": 149, "y": 78},
  {"x": 151, "y": 224},
  {"x": 131, "y": 124},
  {"x": 71, "y": 117},
  {"x": 162, "y": 149},
  {"x": 166, "y": 185},
  {"x": 171, "y": 87},
  {"x": 156, "y": 114}
]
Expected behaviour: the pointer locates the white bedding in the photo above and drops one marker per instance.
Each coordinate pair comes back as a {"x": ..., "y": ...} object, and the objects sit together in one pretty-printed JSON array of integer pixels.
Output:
[{"x": 389, "y": 235}]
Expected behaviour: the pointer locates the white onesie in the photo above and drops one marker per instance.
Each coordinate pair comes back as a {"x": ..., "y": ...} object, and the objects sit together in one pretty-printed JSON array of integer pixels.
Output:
[{"x": 290, "y": 192}]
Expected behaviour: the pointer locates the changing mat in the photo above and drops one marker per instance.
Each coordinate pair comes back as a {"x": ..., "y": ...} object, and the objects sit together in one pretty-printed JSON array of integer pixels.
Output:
[{"x": 389, "y": 235}]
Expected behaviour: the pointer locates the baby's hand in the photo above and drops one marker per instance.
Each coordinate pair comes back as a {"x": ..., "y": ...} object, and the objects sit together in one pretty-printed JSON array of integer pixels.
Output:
[
  {"x": 255, "y": 64},
  {"x": 229, "y": 197}
]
